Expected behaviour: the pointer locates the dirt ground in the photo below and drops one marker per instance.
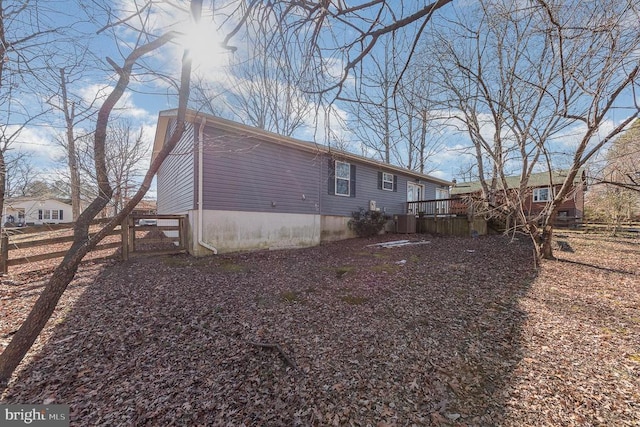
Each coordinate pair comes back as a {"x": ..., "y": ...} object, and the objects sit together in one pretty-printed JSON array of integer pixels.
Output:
[{"x": 446, "y": 331}]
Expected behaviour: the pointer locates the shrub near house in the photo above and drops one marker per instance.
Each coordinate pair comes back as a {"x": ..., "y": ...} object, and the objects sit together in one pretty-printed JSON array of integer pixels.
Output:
[{"x": 368, "y": 223}]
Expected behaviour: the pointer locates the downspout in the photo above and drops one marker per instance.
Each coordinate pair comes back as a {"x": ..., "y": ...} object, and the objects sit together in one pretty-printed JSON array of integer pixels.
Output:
[{"x": 200, "y": 185}]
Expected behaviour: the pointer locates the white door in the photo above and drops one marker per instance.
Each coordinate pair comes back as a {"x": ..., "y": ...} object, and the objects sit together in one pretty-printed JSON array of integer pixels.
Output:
[
  {"x": 443, "y": 206},
  {"x": 414, "y": 194}
]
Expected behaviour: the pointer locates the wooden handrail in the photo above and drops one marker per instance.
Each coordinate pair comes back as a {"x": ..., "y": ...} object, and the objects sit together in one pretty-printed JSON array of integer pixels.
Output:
[{"x": 438, "y": 207}]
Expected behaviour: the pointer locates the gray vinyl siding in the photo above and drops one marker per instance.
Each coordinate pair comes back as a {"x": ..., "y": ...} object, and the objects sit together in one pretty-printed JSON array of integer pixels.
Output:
[
  {"x": 176, "y": 176},
  {"x": 391, "y": 202},
  {"x": 253, "y": 175},
  {"x": 429, "y": 190}
]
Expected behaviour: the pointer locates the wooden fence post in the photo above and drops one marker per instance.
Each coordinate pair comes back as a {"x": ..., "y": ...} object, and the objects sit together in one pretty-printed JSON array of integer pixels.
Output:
[
  {"x": 131, "y": 226},
  {"x": 125, "y": 238},
  {"x": 4, "y": 253}
]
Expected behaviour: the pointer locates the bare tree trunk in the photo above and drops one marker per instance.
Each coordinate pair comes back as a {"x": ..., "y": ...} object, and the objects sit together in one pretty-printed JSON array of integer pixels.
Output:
[
  {"x": 423, "y": 138},
  {"x": 3, "y": 184},
  {"x": 72, "y": 155},
  {"x": 3, "y": 165},
  {"x": 545, "y": 250},
  {"x": 544, "y": 236},
  {"x": 82, "y": 244}
]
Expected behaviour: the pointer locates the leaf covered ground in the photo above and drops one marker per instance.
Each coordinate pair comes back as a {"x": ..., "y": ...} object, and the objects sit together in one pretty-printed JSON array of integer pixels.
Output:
[{"x": 450, "y": 331}]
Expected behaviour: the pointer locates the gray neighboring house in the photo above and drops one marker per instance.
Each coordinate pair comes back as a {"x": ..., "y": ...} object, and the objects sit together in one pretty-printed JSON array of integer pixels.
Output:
[{"x": 245, "y": 188}]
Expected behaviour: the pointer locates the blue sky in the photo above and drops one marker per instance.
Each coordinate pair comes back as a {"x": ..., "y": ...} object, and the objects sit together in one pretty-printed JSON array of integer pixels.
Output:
[{"x": 148, "y": 96}]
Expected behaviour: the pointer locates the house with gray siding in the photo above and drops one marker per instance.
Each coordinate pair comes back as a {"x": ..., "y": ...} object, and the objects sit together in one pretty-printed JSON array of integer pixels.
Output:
[{"x": 245, "y": 188}]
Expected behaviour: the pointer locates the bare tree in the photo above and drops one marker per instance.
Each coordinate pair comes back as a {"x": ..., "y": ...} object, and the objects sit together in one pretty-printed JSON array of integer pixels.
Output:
[
  {"x": 517, "y": 75},
  {"x": 20, "y": 174},
  {"x": 126, "y": 150},
  {"x": 393, "y": 122},
  {"x": 421, "y": 130},
  {"x": 26, "y": 44},
  {"x": 615, "y": 181},
  {"x": 375, "y": 118},
  {"x": 267, "y": 79},
  {"x": 330, "y": 33},
  {"x": 612, "y": 205},
  {"x": 83, "y": 242},
  {"x": 74, "y": 111},
  {"x": 622, "y": 162}
]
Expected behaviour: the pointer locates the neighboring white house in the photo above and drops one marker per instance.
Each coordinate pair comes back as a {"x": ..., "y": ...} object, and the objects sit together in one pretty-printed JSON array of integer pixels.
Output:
[{"x": 36, "y": 210}]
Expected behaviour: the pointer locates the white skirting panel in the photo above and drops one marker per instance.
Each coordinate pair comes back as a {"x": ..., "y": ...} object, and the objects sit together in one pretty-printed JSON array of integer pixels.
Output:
[{"x": 232, "y": 231}]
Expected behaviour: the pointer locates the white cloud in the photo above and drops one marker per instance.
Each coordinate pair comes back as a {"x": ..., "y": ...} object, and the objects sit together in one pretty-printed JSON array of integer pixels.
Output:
[
  {"x": 127, "y": 108},
  {"x": 569, "y": 139},
  {"x": 327, "y": 125},
  {"x": 92, "y": 92},
  {"x": 38, "y": 143},
  {"x": 149, "y": 132}
]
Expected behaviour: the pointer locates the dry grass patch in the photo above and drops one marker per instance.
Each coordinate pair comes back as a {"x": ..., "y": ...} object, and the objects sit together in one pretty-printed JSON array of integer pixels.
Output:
[
  {"x": 343, "y": 270},
  {"x": 291, "y": 297},
  {"x": 354, "y": 299}
]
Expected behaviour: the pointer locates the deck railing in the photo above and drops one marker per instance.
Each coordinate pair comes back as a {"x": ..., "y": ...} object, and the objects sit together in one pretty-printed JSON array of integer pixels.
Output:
[
  {"x": 473, "y": 207},
  {"x": 438, "y": 207}
]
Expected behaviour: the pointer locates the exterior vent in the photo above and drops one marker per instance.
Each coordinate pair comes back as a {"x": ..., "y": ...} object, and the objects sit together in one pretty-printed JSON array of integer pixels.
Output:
[{"x": 406, "y": 224}]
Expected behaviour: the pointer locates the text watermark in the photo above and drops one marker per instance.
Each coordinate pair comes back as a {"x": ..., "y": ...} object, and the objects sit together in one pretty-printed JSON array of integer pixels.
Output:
[{"x": 34, "y": 415}]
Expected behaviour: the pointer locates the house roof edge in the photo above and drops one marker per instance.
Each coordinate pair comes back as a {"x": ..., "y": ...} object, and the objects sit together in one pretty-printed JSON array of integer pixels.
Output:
[{"x": 224, "y": 124}]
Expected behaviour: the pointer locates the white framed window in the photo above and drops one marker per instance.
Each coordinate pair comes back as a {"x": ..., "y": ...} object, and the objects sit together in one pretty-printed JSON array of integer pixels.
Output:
[
  {"x": 50, "y": 214},
  {"x": 343, "y": 178},
  {"x": 387, "y": 181},
  {"x": 442, "y": 193},
  {"x": 542, "y": 194}
]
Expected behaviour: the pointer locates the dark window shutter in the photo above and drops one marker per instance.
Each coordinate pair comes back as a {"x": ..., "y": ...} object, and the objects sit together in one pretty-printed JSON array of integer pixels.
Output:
[
  {"x": 61, "y": 216},
  {"x": 379, "y": 180},
  {"x": 395, "y": 182},
  {"x": 352, "y": 190},
  {"x": 331, "y": 182},
  {"x": 39, "y": 213}
]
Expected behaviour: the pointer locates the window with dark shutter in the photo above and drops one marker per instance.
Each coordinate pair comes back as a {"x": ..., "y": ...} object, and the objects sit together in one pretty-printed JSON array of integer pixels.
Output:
[
  {"x": 352, "y": 176},
  {"x": 343, "y": 179},
  {"x": 387, "y": 181},
  {"x": 331, "y": 182}
]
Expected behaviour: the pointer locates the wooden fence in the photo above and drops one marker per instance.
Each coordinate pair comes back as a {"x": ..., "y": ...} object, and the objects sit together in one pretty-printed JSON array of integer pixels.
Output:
[
  {"x": 632, "y": 227},
  {"x": 171, "y": 237},
  {"x": 18, "y": 240}
]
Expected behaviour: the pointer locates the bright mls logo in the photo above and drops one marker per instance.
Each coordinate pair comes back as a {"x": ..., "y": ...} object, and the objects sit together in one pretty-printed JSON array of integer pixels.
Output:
[{"x": 34, "y": 415}]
